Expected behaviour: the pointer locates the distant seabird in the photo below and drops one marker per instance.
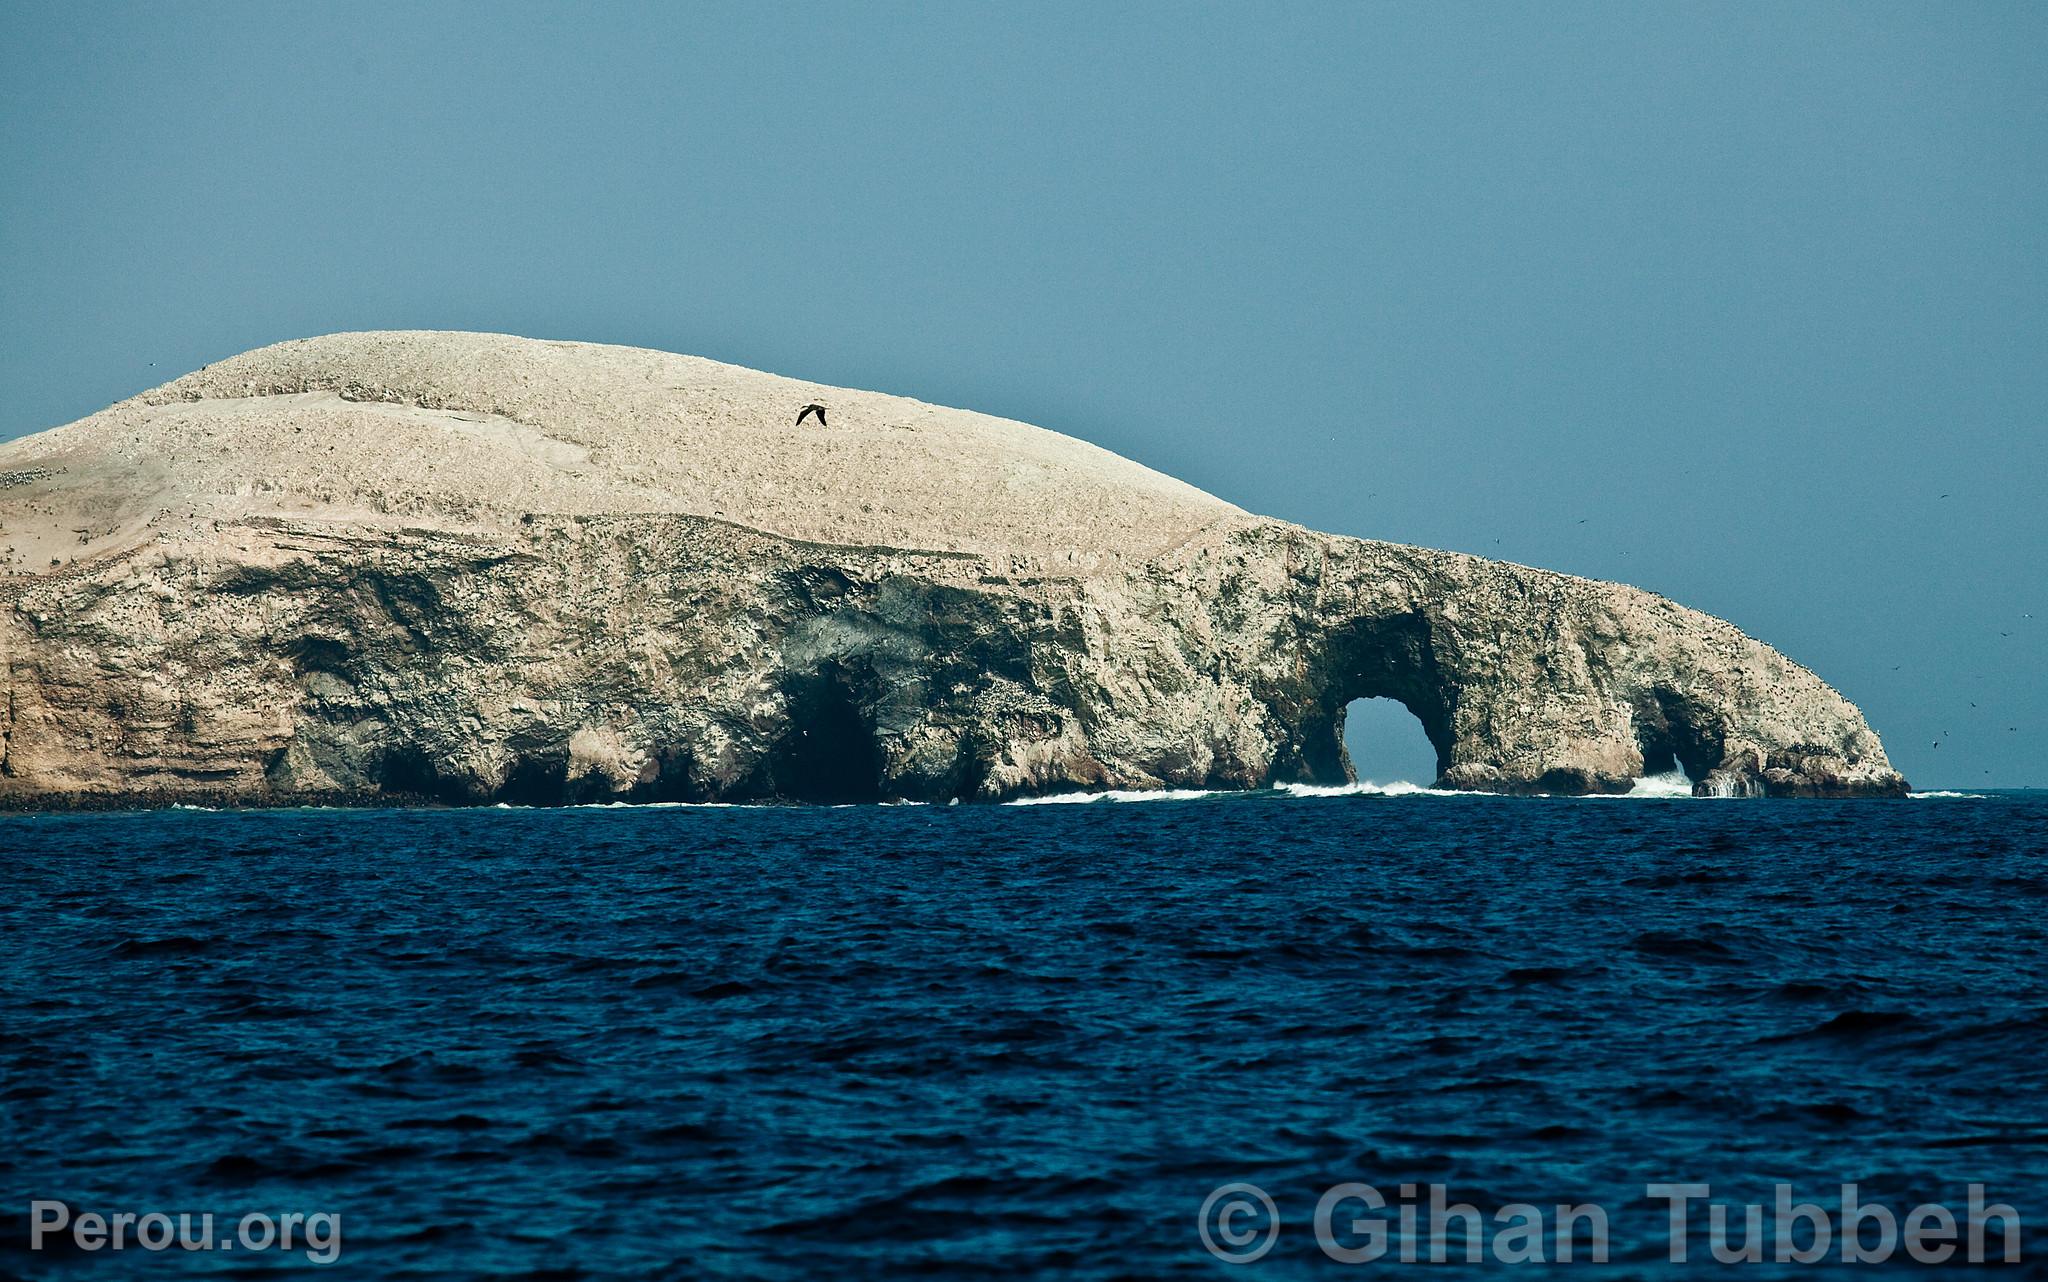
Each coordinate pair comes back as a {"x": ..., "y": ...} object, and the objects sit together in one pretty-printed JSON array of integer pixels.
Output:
[{"x": 809, "y": 410}]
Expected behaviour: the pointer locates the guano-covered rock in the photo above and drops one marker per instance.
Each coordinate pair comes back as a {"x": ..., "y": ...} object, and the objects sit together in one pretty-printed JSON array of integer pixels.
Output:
[{"x": 476, "y": 568}]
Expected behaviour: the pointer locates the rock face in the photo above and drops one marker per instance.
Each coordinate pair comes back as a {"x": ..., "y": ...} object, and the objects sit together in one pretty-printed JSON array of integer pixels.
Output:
[{"x": 472, "y": 568}]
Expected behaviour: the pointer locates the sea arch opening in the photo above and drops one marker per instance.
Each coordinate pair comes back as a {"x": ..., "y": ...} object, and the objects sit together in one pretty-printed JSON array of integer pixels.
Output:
[{"x": 1385, "y": 742}]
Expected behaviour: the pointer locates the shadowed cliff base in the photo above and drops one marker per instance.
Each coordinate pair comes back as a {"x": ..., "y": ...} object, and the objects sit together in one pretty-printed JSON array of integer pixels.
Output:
[{"x": 461, "y": 568}]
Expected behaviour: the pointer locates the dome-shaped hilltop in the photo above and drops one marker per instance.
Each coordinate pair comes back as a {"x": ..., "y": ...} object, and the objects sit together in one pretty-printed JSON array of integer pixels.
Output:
[{"x": 483, "y": 429}]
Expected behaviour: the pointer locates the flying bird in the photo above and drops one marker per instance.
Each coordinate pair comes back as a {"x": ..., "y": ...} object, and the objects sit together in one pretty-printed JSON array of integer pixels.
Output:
[{"x": 809, "y": 410}]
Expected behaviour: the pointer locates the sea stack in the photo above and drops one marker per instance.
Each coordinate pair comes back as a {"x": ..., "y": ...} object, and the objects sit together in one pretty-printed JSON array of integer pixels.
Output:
[{"x": 470, "y": 568}]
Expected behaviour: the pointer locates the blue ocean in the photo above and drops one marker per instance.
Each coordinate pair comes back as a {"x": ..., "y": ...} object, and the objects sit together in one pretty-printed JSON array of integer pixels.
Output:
[{"x": 1014, "y": 1041}]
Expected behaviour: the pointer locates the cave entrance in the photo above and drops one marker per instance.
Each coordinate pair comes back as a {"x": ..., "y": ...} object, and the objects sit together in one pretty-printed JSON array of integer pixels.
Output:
[
  {"x": 1387, "y": 743},
  {"x": 1675, "y": 738},
  {"x": 829, "y": 754}
]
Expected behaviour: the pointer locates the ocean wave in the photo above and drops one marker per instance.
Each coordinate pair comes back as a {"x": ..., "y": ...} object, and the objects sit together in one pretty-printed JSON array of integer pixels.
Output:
[
  {"x": 1364, "y": 788},
  {"x": 710, "y": 805},
  {"x": 850, "y": 967},
  {"x": 637, "y": 805},
  {"x": 1670, "y": 784},
  {"x": 1941, "y": 794},
  {"x": 1115, "y": 794}
]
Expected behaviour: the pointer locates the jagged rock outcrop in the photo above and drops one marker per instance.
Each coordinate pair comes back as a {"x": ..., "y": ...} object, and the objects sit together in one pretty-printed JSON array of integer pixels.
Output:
[{"x": 474, "y": 568}]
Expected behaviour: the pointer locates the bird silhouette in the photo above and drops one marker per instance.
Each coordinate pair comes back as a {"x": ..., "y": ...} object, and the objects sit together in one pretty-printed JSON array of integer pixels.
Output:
[{"x": 809, "y": 410}]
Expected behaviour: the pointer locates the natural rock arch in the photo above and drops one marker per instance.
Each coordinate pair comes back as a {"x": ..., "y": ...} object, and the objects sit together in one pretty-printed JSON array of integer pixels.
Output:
[
  {"x": 1368, "y": 658},
  {"x": 560, "y": 571}
]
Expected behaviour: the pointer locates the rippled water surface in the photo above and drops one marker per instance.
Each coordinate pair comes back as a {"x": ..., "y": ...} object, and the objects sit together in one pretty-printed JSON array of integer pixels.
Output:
[{"x": 1007, "y": 1041}]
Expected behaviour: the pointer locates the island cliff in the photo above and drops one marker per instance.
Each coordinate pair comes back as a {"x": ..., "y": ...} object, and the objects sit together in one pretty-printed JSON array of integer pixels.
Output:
[{"x": 477, "y": 568}]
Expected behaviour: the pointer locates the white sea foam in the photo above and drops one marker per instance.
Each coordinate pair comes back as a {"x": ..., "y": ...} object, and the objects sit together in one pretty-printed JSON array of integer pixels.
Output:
[
  {"x": 1363, "y": 788},
  {"x": 1114, "y": 794},
  {"x": 701, "y": 805},
  {"x": 1671, "y": 784},
  {"x": 653, "y": 805}
]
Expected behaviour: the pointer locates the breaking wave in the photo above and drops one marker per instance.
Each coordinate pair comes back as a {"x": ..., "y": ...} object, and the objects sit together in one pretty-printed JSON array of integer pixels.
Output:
[
  {"x": 1115, "y": 794},
  {"x": 1364, "y": 788},
  {"x": 1657, "y": 787},
  {"x": 1671, "y": 784}
]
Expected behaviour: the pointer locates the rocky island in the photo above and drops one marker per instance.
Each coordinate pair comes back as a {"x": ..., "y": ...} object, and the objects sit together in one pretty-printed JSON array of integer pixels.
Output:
[{"x": 468, "y": 568}]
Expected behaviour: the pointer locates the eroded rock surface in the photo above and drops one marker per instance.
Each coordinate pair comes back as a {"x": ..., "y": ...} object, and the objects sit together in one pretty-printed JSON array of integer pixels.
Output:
[{"x": 475, "y": 568}]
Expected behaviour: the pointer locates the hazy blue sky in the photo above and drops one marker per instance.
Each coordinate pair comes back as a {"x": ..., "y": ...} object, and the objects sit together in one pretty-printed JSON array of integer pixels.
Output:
[{"x": 1746, "y": 289}]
